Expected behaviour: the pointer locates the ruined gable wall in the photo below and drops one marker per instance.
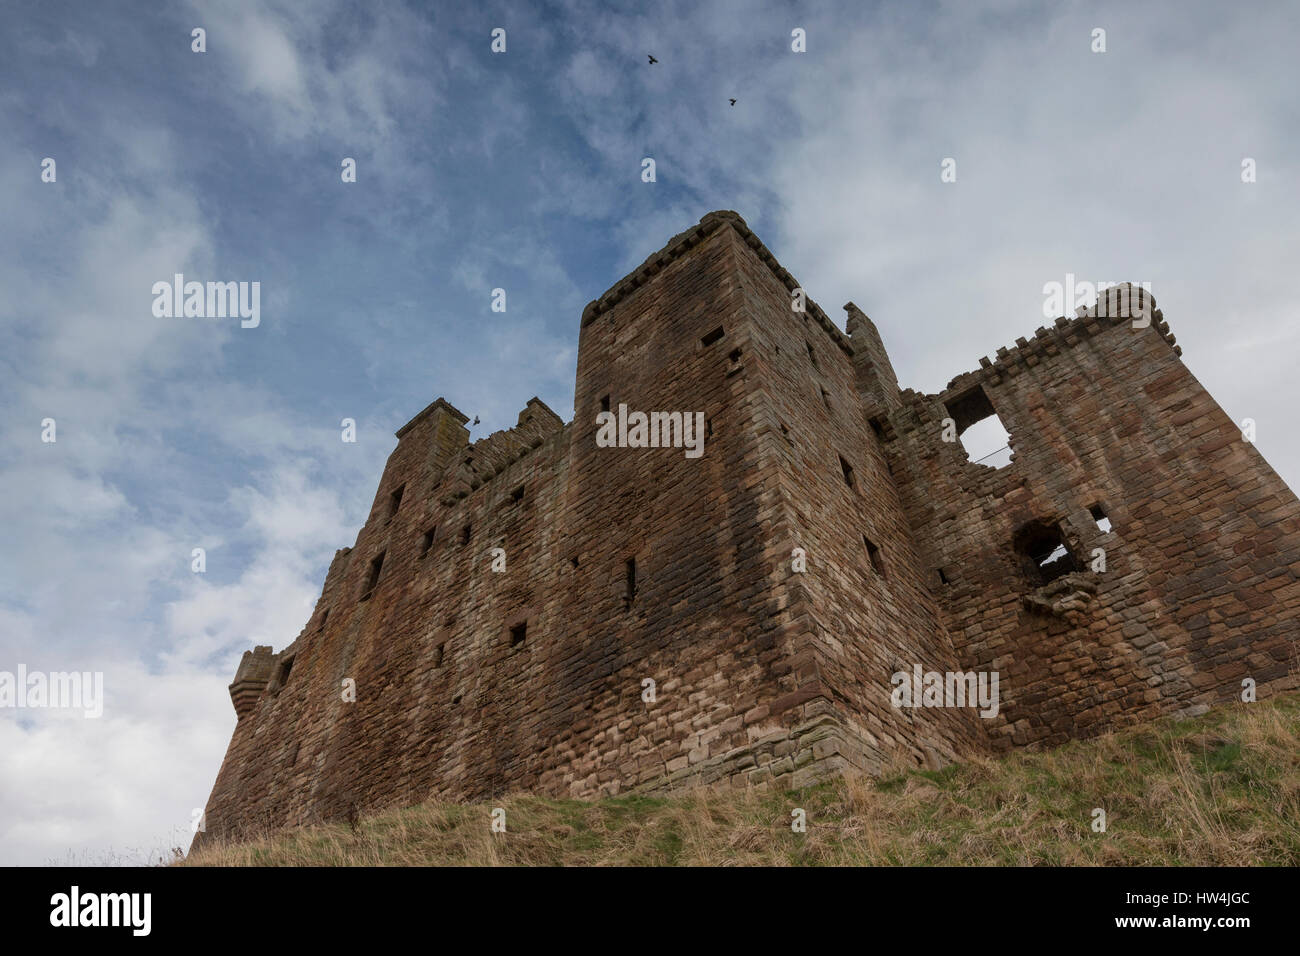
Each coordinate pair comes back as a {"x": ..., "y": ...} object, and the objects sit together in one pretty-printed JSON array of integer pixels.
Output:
[{"x": 1202, "y": 586}]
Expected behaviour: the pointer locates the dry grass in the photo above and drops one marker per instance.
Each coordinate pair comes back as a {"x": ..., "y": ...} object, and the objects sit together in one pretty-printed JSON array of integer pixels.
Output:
[{"x": 1221, "y": 789}]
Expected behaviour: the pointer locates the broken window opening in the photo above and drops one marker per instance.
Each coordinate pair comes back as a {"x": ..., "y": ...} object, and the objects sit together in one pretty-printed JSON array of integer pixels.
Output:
[
  {"x": 980, "y": 430},
  {"x": 426, "y": 542},
  {"x": 1043, "y": 552},
  {"x": 518, "y": 633},
  {"x": 1099, "y": 516},
  {"x": 465, "y": 533},
  {"x": 712, "y": 337},
  {"x": 285, "y": 667}
]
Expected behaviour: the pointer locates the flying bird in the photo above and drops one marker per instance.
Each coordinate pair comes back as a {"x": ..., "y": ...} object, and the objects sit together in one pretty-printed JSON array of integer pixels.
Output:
[
  {"x": 733, "y": 102},
  {"x": 475, "y": 419},
  {"x": 652, "y": 58}
]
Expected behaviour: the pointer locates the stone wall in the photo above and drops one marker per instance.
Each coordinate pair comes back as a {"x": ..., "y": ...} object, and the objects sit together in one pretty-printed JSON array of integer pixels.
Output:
[
  {"x": 1201, "y": 587},
  {"x": 624, "y": 566}
]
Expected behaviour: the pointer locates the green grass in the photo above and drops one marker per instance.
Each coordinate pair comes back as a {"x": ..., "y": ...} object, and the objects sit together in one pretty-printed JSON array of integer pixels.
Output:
[{"x": 1220, "y": 789}]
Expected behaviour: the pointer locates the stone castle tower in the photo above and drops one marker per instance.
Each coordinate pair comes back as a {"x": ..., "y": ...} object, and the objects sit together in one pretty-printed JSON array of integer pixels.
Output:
[{"x": 828, "y": 538}]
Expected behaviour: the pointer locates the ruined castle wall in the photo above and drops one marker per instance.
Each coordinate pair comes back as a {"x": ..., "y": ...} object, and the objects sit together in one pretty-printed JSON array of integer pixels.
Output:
[
  {"x": 628, "y": 565},
  {"x": 1202, "y": 580},
  {"x": 861, "y": 624},
  {"x": 450, "y": 702},
  {"x": 708, "y": 621},
  {"x": 427, "y": 647}
]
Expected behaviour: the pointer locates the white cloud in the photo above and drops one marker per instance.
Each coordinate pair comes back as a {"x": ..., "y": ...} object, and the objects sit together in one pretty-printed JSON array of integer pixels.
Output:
[{"x": 1118, "y": 166}]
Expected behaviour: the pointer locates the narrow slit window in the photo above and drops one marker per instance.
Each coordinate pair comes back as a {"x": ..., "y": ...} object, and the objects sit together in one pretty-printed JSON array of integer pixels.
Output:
[
  {"x": 712, "y": 337},
  {"x": 426, "y": 542},
  {"x": 323, "y": 618},
  {"x": 604, "y": 403},
  {"x": 629, "y": 583},
  {"x": 518, "y": 633},
  {"x": 465, "y": 533},
  {"x": 517, "y": 495},
  {"x": 943, "y": 578},
  {"x": 812, "y": 356},
  {"x": 873, "y": 553},
  {"x": 395, "y": 501},
  {"x": 826, "y": 398},
  {"x": 847, "y": 469},
  {"x": 285, "y": 668},
  {"x": 372, "y": 576},
  {"x": 438, "y": 654}
]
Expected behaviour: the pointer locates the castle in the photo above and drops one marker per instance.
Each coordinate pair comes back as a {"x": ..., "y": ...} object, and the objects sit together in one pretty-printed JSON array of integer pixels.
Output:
[{"x": 536, "y": 611}]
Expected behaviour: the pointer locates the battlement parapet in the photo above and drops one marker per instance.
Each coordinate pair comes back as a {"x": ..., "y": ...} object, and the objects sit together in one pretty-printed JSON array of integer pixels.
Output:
[
  {"x": 1113, "y": 308},
  {"x": 682, "y": 243}
]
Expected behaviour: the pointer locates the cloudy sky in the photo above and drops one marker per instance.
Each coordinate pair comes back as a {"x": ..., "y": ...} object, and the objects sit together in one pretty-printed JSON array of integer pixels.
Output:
[{"x": 522, "y": 171}]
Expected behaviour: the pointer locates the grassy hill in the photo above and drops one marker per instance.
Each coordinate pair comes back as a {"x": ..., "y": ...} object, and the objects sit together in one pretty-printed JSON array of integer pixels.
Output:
[{"x": 1219, "y": 789}]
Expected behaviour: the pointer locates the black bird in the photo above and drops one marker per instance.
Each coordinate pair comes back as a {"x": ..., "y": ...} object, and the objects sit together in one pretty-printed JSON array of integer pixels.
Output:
[
  {"x": 652, "y": 58},
  {"x": 733, "y": 102},
  {"x": 475, "y": 419}
]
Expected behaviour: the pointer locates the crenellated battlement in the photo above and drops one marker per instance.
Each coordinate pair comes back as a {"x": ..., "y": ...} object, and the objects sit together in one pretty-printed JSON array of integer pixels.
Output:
[
  {"x": 488, "y": 457},
  {"x": 681, "y": 244},
  {"x": 1114, "y": 307}
]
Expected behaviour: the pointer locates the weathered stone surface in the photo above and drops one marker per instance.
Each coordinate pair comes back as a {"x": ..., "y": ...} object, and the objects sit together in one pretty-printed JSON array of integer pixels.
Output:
[{"x": 470, "y": 683}]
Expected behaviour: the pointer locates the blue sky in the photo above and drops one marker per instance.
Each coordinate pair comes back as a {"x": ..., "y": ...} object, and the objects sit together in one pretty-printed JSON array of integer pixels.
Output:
[{"x": 522, "y": 171}]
